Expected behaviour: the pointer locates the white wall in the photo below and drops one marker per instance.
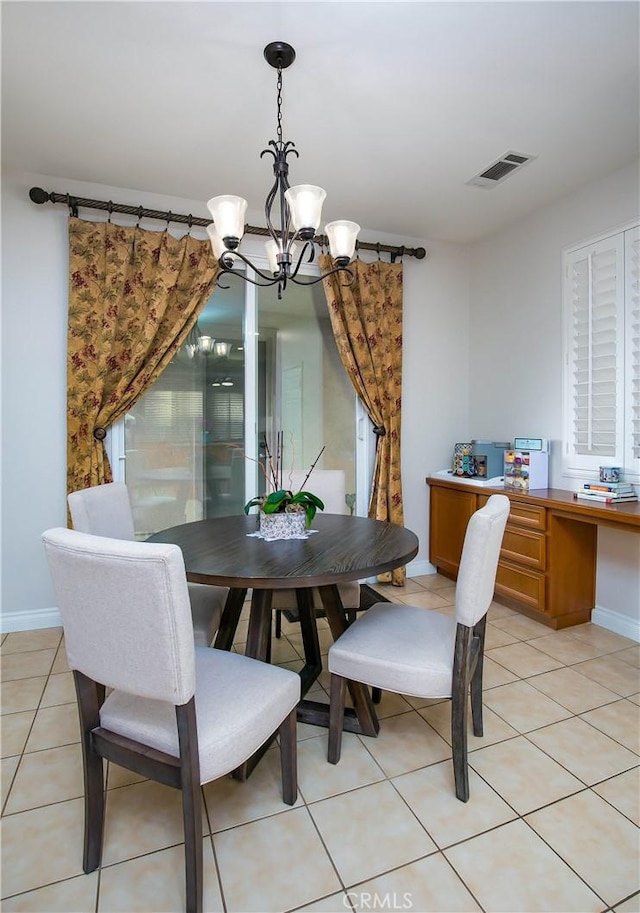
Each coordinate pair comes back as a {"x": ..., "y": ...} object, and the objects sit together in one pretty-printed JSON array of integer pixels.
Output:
[
  {"x": 34, "y": 312},
  {"x": 516, "y": 358}
]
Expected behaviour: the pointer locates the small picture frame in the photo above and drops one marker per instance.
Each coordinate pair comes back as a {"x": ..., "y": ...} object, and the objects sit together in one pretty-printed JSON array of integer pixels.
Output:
[{"x": 609, "y": 473}]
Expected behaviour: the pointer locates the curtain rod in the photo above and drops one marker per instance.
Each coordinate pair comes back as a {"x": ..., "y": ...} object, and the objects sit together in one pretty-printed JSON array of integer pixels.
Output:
[{"x": 38, "y": 195}]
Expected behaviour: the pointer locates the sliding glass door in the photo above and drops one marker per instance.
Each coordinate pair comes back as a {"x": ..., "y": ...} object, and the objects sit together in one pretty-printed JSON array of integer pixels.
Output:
[{"x": 266, "y": 370}]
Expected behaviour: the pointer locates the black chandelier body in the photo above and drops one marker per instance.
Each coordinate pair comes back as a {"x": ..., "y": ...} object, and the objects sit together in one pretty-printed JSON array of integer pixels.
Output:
[{"x": 292, "y": 244}]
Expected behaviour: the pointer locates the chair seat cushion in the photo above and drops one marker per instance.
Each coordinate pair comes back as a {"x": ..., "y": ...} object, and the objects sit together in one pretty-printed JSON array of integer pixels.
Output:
[
  {"x": 349, "y": 594},
  {"x": 240, "y": 702},
  {"x": 398, "y": 648},
  {"x": 207, "y": 603}
]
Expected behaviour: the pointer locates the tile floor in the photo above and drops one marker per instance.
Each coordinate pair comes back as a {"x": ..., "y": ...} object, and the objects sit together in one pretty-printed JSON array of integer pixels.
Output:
[{"x": 552, "y": 823}]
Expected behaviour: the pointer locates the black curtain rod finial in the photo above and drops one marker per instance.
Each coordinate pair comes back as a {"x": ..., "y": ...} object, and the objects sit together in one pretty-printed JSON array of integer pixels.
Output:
[{"x": 38, "y": 195}]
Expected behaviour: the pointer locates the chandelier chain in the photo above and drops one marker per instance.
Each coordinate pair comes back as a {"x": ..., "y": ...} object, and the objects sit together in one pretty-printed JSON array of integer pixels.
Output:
[{"x": 279, "y": 100}]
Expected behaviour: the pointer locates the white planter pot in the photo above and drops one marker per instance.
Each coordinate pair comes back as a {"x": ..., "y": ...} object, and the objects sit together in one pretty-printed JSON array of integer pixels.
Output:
[{"x": 282, "y": 526}]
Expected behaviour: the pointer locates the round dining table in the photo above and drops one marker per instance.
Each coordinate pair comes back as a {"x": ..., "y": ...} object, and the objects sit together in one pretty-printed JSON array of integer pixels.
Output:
[{"x": 226, "y": 552}]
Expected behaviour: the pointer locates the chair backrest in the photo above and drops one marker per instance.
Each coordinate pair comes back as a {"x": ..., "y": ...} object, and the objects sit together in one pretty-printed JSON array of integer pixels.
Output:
[
  {"x": 103, "y": 510},
  {"x": 328, "y": 484},
  {"x": 125, "y": 612},
  {"x": 479, "y": 562}
]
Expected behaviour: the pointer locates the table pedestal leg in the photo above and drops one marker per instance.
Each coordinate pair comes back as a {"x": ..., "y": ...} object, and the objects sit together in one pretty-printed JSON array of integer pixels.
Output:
[{"x": 229, "y": 621}]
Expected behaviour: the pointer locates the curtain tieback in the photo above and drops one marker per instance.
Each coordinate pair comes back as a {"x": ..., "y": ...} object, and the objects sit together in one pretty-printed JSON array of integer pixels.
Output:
[
  {"x": 99, "y": 433},
  {"x": 379, "y": 430}
]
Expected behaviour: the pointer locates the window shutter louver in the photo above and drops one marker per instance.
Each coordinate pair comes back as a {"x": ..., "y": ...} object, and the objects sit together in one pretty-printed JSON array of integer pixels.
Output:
[
  {"x": 595, "y": 363},
  {"x": 632, "y": 406}
]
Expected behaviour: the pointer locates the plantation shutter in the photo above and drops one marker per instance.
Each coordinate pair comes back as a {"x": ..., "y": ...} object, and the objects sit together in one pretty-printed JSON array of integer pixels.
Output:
[
  {"x": 632, "y": 405},
  {"x": 595, "y": 360}
]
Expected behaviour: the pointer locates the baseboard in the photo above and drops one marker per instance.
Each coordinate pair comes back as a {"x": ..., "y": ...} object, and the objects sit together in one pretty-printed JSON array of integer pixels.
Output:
[
  {"x": 617, "y": 622},
  {"x": 30, "y": 620},
  {"x": 420, "y": 569}
]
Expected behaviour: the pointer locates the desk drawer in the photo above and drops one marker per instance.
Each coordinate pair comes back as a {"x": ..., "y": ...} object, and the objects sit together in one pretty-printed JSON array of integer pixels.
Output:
[
  {"x": 523, "y": 585},
  {"x": 524, "y": 546},
  {"x": 528, "y": 515}
]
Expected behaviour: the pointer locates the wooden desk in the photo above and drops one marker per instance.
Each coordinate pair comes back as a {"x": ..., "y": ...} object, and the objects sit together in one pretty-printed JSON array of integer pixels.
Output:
[
  {"x": 219, "y": 551},
  {"x": 547, "y": 567}
]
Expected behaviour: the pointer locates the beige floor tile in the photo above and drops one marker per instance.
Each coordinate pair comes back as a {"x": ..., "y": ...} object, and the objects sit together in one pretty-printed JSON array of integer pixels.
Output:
[
  {"x": 391, "y": 704},
  {"x": 427, "y": 599},
  {"x": 564, "y": 646},
  {"x": 22, "y": 694},
  {"x": 493, "y": 674},
  {"x": 15, "y": 728},
  {"x": 623, "y": 792},
  {"x": 574, "y": 691},
  {"x": 521, "y": 627},
  {"x": 406, "y": 742},
  {"x": 511, "y": 870},
  {"x": 597, "y": 841},
  {"x": 318, "y": 779},
  {"x": 336, "y": 903},
  {"x": 635, "y": 698},
  {"x": 524, "y": 708},
  {"x": 41, "y": 846},
  {"x": 156, "y": 882},
  {"x": 432, "y": 581},
  {"x": 25, "y": 665},
  {"x": 631, "y": 655},
  {"x": 73, "y": 894},
  {"x": 282, "y": 651},
  {"x": 523, "y": 775},
  {"x": 497, "y": 610},
  {"x": 7, "y": 773},
  {"x": 620, "y": 720},
  {"x": 601, "y": 637},
  {"x": 448, "y": 593},
  {"x": 431, "y": 795},
  {"x": 613, "y": 673},
  {"x": 255, "y": 864},
  {"x": 230, "y": 802},
  {"x": 495, "y": 729},
  {"x": 496, "y": 637},
  {"x": 360, "y": 846},
  {"x": 60, "y": 663},
  {"x": 140, "y": 819},
  {"x": 587, "y": 753},
  {"x": 523, "y": 659},
  {"x": 45, "y": 777},
  {"x": 27, "y": 641},
  {"x": 429, "y": 885},
  {"x": 54, "y": 726},
  {"x": 630, "y": 905},
  {"x": 117, "y": 776},
  {"x": 411, "y": 585},
  {"x": 60, "y": 690}
]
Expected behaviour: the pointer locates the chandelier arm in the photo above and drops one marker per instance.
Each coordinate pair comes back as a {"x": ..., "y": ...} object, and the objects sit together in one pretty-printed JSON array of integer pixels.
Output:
[
  {"x": 336, "y": 269},
  {"x": 270, "y": 280},
  {"x": 307, "y": 244}
]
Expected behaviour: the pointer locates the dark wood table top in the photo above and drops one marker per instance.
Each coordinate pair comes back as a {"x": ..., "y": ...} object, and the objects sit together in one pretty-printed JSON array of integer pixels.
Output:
[{"x": 220, "y": 552}]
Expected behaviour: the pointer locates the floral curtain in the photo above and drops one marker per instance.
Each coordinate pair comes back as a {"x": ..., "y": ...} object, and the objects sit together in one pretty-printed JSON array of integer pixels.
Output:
[
  {"x": 366, "y": 316},
  {"x": 134, "y": 295}
]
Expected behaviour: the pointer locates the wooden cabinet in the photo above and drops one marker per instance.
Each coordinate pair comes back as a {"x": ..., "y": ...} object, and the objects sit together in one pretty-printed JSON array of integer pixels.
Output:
[{"x": 547, "y": 566}]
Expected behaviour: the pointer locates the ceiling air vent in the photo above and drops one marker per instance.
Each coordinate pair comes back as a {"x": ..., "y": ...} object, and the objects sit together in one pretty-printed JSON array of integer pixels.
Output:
[{"x": 501, "y": 169}]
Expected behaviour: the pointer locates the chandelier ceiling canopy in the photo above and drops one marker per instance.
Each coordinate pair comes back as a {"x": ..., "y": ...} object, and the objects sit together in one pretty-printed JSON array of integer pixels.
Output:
[{"x": 291, "y": 242}]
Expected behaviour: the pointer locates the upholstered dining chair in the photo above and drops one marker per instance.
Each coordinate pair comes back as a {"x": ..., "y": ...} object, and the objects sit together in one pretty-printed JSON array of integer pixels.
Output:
[
  {"x": 178, "y": 713},
  {"x": 330, "y": 486},
  {"x": 420, "y": 652},
  {"x": 105, "y": 510}
]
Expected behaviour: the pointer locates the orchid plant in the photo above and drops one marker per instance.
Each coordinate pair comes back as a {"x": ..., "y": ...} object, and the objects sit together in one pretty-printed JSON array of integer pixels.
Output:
[{"x": 283, "y": 500}]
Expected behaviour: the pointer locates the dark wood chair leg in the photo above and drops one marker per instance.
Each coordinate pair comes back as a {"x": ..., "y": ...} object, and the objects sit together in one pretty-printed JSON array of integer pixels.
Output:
[
  {"x": 289, "y": 758},
  {"x": 90, "y": 694},
  {"x": 336, "y": 717},
  {"x": 376, "y": 695},
  {"x": 476, "y": 677},
  {"x": 278, "y": 623},
  {"x": 459, "y": 704},
  {"x": 191, "y": 804}
]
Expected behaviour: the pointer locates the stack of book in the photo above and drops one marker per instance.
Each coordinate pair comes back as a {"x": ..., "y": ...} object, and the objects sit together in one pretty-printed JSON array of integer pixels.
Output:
[{"x": 608, "y": 492}]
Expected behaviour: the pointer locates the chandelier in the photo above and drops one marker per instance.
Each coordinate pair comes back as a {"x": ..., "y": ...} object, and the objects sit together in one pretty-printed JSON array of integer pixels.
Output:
[{"x": 300, "y": 209}]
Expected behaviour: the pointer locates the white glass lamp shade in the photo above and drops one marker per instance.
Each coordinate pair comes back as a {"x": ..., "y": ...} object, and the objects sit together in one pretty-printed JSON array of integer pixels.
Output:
[
  {"x": 222, "y": 349},
  {"x": 342, "y": 240},
  {"x": 228, "y": 214},
  {"x": 305, "y": 205},
  {"x": 272, "y": 250},
  {"x": 217, "y": 244},
  {"x": 205, "y": 345}
]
